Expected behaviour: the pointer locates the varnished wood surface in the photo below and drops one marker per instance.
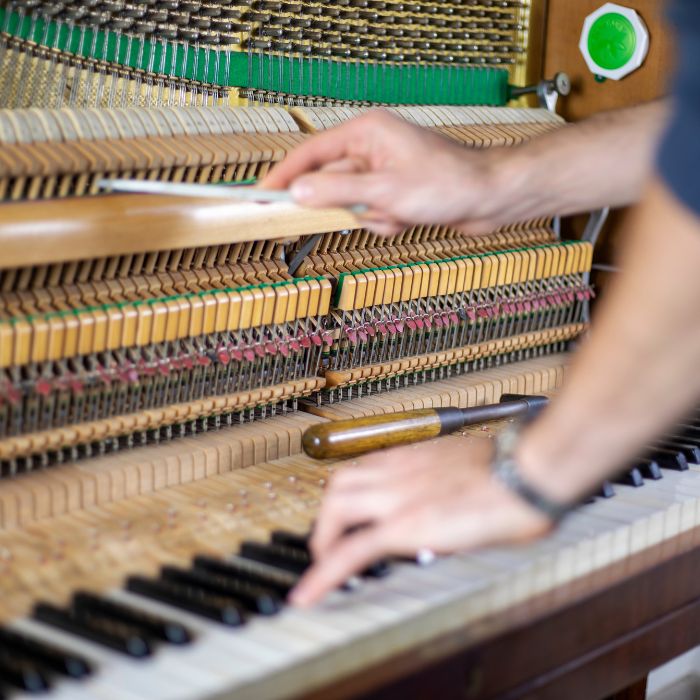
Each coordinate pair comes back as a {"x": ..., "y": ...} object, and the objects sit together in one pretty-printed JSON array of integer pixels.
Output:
[
  {"x": 78, "y": 229},
  {"x": 584, "y": 641},
  {"x": 564, "y": 24},
  {"x": 340, "y": 439},
  {"x": 637, "y": 691}
]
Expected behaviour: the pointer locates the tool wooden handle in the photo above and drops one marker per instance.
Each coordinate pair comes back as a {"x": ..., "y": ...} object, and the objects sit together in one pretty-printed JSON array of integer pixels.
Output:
[{"x": 345, "y": 438}]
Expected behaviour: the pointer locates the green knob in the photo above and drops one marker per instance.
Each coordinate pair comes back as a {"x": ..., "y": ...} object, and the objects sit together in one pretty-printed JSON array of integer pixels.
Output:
[{"x": 612, "y": 41}]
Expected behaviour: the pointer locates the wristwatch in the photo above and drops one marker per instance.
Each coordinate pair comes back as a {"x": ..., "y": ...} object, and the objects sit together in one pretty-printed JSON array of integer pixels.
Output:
[{"x": 507, "y": 472}]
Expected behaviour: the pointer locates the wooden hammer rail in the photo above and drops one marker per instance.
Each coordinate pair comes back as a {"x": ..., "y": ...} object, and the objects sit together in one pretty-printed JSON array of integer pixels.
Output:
[
  {"x": 58, "y": 231},
  {"x": 102, "y": 432},
  {"x": 517, "y": 347}
]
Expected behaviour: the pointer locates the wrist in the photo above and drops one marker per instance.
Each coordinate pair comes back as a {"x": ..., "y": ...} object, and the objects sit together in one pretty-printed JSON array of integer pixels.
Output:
[
  {"x": 508, "y": 470},
  {"x": 510, "y": 181},
  {"x": 559, "y": 477}
]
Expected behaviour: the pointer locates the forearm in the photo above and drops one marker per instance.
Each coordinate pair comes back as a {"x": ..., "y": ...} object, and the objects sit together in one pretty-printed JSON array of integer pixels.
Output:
[
  {"x": 603, "y": 161},
  {"x": 638, "y": 372}
]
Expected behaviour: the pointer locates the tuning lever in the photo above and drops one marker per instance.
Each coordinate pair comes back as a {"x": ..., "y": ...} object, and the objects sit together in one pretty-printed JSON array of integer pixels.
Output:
[{"x": 346, "y": 438}]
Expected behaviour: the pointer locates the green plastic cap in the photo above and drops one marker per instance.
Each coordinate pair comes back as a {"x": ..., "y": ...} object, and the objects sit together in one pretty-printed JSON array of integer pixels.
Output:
[{"x": 612, "y": 40}]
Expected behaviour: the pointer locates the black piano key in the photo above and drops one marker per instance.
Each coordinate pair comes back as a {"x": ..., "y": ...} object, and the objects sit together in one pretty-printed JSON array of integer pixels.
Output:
[
  {"x": 58, "y": 660},
  {"x": 650, "y": 469},
  {"x": 670, "y": 459},
  {"x": 291, "y": 539},
  {"x": 379, "y": 569},
  {"x": 281, "y": 582},
  {"x": 286, "y": 558},
  {"x": 301, "y": 542},
  {"x": 607, "y": 490},
  {"x": 693, "y": 439},
  {"x": 632, "y": 477},
  {"x": 687, "y": 431},
  {"x": 252, "y": 597},
  {"x": 691, "y": 452},
  {"x": 22, "y": 674},
  {"x": 150, "y": 625},
  {"x": 131, "y": 644},
  {"x": 194, "y": 600},
  {"x": 683, "y": 429}
]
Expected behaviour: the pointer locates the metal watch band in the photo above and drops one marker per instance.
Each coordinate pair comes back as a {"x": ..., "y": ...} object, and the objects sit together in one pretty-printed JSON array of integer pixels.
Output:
[{"x": 506, "y": 471}]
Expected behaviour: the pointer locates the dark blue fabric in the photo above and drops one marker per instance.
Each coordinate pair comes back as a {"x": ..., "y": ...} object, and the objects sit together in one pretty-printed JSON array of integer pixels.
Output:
[{"x": 679, "y": 154}]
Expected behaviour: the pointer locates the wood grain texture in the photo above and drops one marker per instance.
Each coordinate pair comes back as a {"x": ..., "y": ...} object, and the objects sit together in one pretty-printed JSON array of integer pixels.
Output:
[
  {"x": 564, "y": 23},
  {"x": 340, "y": 439},
  {"x": 61, "y": 230}
]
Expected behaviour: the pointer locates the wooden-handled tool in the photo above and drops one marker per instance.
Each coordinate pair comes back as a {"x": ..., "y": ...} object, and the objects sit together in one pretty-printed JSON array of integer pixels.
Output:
[{"x": 346, "y": 438}]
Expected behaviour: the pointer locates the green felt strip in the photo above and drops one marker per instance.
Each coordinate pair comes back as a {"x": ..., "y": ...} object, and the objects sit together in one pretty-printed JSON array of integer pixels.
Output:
[
  {"x": 47, "y": 316},
  {"x": 387, "y": 82}
]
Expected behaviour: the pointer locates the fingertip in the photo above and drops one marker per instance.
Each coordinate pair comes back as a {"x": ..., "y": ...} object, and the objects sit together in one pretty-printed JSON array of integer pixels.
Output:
[
  {"x": 302, "y": 190},
  {"x": 297, "y": 598},
  {"x": 274, "y": 180},
  {"x": 382, "y": 228},
  {"x": 303, "y": 594}
]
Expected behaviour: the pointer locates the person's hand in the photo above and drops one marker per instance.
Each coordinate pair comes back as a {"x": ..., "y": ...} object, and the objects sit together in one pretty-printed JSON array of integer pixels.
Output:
[
  {"x": 405, "y": 175},
  {"x": 434, "y": 496}
]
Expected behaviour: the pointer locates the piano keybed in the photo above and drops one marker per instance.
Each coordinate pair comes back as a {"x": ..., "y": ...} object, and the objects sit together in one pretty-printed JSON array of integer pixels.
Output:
[{"x": 192, "y": 542}]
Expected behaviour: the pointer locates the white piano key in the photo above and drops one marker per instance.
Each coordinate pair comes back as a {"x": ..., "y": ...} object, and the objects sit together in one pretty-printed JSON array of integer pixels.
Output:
[
  {"x": 115, "y": 676},
  {"x": 228, "y": 651}
]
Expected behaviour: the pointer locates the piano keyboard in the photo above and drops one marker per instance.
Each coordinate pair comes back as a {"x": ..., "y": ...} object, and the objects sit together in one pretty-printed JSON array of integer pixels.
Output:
[{"x": 180, "y": 593}]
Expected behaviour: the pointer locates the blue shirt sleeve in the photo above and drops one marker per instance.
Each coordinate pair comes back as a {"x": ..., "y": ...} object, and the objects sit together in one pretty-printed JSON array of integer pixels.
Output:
[{"x": 678, "y": 159}]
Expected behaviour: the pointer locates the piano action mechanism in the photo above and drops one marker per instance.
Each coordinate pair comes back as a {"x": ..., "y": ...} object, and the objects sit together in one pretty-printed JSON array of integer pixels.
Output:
[{"x": 161, "y": 359}]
